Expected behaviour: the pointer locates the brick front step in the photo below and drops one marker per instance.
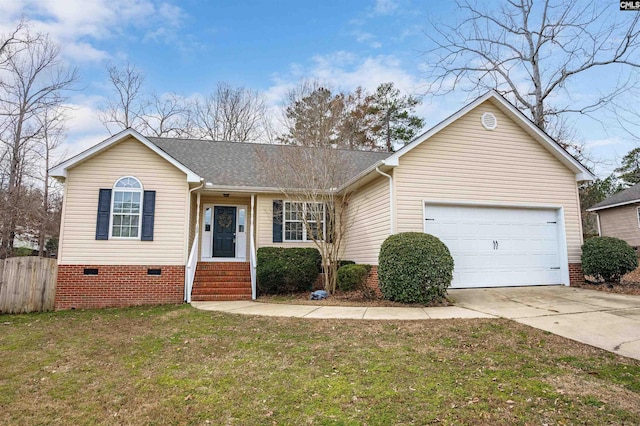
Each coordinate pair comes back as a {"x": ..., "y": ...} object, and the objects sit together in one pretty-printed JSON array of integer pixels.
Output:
[
  {"x": 222, "y": 281},
  {"x": 235, "y": 273},
  {"x": 222, "y": 278},
  {"x": 222, "y": 266},
  {"x": 231, "y": 290},
  {"x": 223, "y": 284},
  {"x": 220, "y": 297}
]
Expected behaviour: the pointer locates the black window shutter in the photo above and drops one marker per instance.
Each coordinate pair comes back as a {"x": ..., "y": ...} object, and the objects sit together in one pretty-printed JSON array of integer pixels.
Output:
[
  {"x": 148, "y": 213},
  {"x": 277, "y": 221},
  {"x": 104, "y": 209}
]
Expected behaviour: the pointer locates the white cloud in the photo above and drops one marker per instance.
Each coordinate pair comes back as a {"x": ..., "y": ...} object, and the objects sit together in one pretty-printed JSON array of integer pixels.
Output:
[
  {"x": 345, "y": 71},
  {"x": 363, "y": 36},
  {"x": 78, "y": 24},
  {"x": 385, "y": 7},
  {"x": 602, "y": 142}
]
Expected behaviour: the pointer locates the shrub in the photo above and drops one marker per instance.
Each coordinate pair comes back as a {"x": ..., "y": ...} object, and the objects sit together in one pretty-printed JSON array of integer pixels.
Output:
[
  {"x": 608, "y": 258},
  {"x": 353, "y": 277},
  {"x": 342, "y": 263},
  {"x": 414, "y": 268},
  {"x": 287, "y": 270}
]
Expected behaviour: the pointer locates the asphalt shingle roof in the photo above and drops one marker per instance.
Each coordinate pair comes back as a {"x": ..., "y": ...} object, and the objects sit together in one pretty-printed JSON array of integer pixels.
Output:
[
  {"x": 239, "y": 164},
  {"x": 629, "y": 195}
]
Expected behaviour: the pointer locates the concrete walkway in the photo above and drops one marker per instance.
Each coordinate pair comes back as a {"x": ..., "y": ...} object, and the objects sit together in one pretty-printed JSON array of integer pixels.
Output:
[
  {"x": 343, "y": 312},
  {"x": 604, "y": 320},
  {"x": 608, "y": 321}
]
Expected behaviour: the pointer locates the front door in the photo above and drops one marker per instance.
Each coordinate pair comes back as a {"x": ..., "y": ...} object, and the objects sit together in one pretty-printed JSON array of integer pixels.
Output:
[{"x": 224, "y": 231}]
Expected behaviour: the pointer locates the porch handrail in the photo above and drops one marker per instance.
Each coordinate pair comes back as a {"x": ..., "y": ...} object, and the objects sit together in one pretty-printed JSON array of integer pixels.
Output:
[{"x": 192, "y": 263}]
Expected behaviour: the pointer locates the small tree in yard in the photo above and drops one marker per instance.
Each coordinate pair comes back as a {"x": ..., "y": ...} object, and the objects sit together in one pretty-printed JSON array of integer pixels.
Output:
[
  {"x": 608, "y": 258},
  {"x": 314, "y": 209}
]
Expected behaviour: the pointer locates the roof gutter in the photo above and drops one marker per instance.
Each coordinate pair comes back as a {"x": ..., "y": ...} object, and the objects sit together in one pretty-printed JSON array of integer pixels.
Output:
[
  {"x": 391, "y": 205},
  {"x": 625, "y": 203}
]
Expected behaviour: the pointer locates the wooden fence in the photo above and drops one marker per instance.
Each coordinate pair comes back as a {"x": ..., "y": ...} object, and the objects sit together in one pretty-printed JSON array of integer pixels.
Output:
[{"x": 27, "y": 284}]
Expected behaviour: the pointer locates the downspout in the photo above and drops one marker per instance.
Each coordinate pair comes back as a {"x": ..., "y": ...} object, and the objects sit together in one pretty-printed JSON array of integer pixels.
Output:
[
  {"x": 186, "y": 276},
  {"x": 598, "y": 222},
  {"x": 392, "y": 221}
]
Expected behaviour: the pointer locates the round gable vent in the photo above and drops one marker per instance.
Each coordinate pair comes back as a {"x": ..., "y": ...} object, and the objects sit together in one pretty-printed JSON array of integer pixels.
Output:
[{"x": 489, "y": 121}]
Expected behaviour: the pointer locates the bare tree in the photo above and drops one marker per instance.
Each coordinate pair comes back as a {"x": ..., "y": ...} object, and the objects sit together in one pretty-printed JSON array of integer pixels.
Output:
[
  {"x": 124, "y": 110},
  {"x": 231, "y": 114},
  {"x": 53, "y": 133},
  {"x": 532, "y": 51},
  {"x": 34, "y": 84},
  {"x": 168, "y": 115}
]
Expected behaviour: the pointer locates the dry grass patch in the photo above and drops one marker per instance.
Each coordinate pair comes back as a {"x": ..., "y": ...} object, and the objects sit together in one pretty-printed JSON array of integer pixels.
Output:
[{"x": 177, "y": 365}]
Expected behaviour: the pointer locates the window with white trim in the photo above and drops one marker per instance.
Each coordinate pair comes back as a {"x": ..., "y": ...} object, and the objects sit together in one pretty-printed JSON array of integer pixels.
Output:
[
  {"x": 126, "y": 208},
  {"x": 296, "y": 214}
]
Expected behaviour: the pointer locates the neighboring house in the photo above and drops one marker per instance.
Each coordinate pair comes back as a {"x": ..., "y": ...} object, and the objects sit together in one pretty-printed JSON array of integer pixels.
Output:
[
  {"x": 619, "y": 216},
  {"x": 153, "y": 220}
]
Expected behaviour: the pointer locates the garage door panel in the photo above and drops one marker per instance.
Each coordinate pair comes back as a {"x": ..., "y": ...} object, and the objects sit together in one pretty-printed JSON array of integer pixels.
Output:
[{"x": 498, "y": 246}]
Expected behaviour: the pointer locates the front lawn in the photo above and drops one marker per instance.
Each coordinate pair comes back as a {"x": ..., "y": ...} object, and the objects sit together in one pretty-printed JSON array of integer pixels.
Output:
[{"x": 177, "y": 365}]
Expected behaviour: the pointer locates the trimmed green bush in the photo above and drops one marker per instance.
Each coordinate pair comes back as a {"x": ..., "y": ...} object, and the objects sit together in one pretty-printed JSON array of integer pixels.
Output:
[
  {"x": 608, "y": 258},
  {"x": 287, "y": 270},
  {"x": 414, "y": 268},
  {"x": 342, "y": 263},
  {"x": 352, "y": 277}
]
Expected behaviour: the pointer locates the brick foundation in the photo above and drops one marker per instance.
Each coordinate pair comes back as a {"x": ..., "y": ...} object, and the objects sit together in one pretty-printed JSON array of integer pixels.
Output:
[
  {"x": 576, "y": 276},
  {"x": 118, "y": 286},
  {"x": 372, "y": 281}
]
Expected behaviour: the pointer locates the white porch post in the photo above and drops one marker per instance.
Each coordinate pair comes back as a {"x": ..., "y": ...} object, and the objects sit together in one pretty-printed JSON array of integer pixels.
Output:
[{"x": 252, "y": 249}]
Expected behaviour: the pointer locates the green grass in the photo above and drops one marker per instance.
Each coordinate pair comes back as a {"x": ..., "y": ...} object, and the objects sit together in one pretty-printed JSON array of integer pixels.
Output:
[{"x": 177, "y": 365}]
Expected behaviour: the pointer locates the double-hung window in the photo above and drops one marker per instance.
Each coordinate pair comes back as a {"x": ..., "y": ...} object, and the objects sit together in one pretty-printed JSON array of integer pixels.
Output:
[
  {"x": 304, "y": 221},
  {"x": 126, "y": 208}
]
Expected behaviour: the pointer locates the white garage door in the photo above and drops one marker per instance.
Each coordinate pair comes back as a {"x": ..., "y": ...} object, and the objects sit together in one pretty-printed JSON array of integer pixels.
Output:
[{"x": 498, "y": 247}]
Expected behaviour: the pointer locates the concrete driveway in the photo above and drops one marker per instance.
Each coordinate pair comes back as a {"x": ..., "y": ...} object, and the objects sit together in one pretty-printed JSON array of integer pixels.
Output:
[{"x": 607, "y": 321}]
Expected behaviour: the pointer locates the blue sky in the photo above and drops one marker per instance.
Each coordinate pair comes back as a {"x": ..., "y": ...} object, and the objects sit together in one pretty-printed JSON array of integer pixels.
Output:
[{"x": 188, "y": 46}]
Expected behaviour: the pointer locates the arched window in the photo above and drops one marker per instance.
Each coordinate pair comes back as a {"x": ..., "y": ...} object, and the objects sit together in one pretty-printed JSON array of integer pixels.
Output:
[{"x": 126, "y": 208}]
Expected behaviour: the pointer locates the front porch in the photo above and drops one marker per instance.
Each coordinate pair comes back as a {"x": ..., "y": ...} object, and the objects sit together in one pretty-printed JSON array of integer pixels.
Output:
[{"x": 222, "y": 258}]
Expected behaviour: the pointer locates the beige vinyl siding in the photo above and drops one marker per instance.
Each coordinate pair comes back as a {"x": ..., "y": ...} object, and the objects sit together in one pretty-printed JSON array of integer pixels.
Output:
[
  {"x": 127, "y": 158},
  {"x": 621, "y": 222},
  {"x": 219, "y": 200},
  {"x": 465, "y": 162},
  {"x": 264, "y": 225},
  {"x": 367, "y": 222}
]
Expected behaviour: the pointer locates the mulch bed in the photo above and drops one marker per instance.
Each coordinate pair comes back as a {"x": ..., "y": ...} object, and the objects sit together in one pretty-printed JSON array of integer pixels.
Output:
[
  {"x": 340, "y": 298},
  {"x": 630, "y": 284}
]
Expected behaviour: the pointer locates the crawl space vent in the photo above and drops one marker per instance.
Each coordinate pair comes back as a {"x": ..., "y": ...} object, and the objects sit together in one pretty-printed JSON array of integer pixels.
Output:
[{"x": 489, "y": 121}]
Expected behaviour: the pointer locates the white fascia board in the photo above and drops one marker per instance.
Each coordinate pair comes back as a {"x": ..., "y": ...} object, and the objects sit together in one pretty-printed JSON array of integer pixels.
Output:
[
  {"x": 364, "y": 173},
  {"x": 594, "y": 209},
  {"x": 60, "y": 170},
  {"x": 581, "y": 172}
]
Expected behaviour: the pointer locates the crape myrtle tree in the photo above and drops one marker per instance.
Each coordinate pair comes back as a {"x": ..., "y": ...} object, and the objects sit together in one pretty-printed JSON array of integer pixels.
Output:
[
  {"x": 535, "y": 52},
  {"x": 313, "y": 208}
]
